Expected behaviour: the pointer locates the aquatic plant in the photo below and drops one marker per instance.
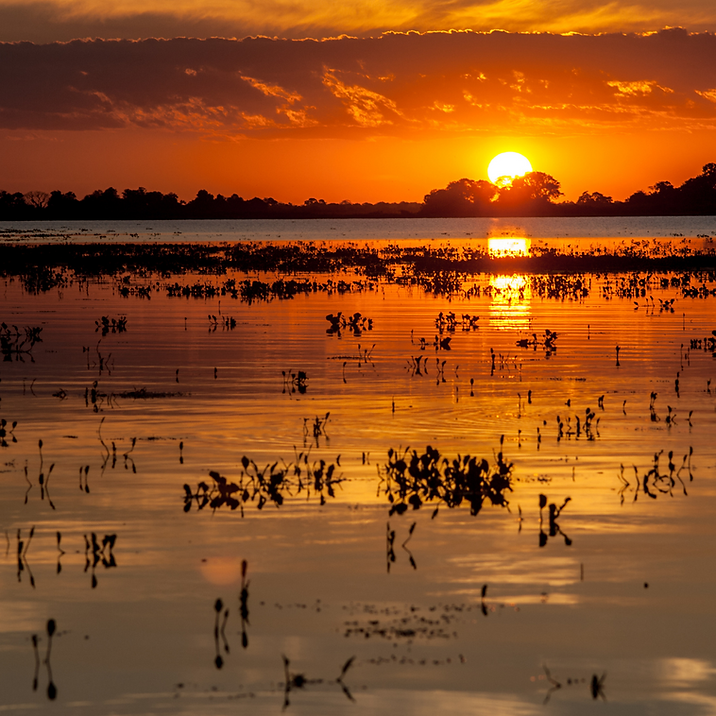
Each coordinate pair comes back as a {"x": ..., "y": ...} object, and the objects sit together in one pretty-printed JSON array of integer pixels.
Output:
[
  {"x": 226, "y": 322},
  {"x": 107, "y": 324},
  {"x": 450, "y": 322},
  {"x": 410, "y": 480},
  {"x": 293, "y": 382},
  {"x": 390, "y": 546},
  {"x": 7, "y": 432},
  {"x": 43, "y": 479},
  {"x": 22, "y": 563},
  {"x": 16, "y": 344},
  {"x": 589, "y": 427},
  {"x": 315, "y": 428},
  {"x": 596, "y": 684},
  {"x": 272, "y": 484},
  {"x": 356, "y": 323},
  {"x": 294, "y": 681},
  {"x": 244, "y": 604},
  {"x": 655, "y": 482},
  {"x": 548, "y": 341},
  {"x": 220, "y": 631},
  {"x": 553, "y": 514},
  {"x": 51, "y": 628},
  {"x": 96, "y": 553}
]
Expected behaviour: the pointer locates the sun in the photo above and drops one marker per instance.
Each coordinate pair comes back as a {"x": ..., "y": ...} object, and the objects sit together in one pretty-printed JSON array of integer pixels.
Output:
[{"x": 506, "y": 166}]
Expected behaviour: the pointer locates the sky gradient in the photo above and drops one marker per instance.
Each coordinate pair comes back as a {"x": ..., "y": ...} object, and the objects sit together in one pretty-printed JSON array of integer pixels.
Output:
[{"x": 363, "y": 118}]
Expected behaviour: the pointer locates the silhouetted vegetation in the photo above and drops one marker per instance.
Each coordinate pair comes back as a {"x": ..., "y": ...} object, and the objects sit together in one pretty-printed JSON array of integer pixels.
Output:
[
  {"x": 439, "y": 270},
  {"x": 410, "y": 480},
  {"x": 139, "y": 203},
  {"x": 272, "y": 484},
  {"x": 534, "y": 194}
]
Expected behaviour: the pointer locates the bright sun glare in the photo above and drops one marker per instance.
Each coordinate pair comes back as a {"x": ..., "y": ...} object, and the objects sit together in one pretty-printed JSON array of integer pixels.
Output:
[{"x": 506, "y": 166}]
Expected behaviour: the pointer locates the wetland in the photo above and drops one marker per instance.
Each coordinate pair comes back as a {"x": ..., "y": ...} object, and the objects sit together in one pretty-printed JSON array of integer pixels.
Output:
[{"x": 382, "y": 477}]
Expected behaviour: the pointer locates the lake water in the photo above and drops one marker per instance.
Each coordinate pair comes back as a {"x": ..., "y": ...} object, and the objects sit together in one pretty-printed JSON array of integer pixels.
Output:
[
  {"x": 620, "y": 229},
  {"x": 518, "y": 609}
]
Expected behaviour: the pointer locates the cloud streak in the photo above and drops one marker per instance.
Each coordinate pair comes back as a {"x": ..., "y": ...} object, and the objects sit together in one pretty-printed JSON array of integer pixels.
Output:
[
  {"x": 398, "y": 83},
  {"x": 50, "y": 20}
]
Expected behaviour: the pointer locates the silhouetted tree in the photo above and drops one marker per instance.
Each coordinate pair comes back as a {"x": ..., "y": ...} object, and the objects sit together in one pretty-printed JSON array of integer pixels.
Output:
[
  {"x": 62, "y": 206},
  {"x": 13, "y": 207},
  {"x": 699, "y": 193},
  {"x": 464, "y": 197},
  {"x": 102, "y": 205},
  {"x": 37, "y": 199},
  {"x": 201, "y": 206},
  {"x": 531, "y": 193},
  {"x": 596, "y": 199}
]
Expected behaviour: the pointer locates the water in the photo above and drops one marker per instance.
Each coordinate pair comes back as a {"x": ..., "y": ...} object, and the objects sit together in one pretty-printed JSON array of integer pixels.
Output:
[
  {"x": 620, "y": 584},
  {"x": 401, "y": 230}
]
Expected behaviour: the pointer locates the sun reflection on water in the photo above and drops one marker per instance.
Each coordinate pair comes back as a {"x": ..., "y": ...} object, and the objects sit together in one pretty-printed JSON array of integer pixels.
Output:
[
  {"x": 510, "y": 305},
  {"x": 511, "y": 246}
]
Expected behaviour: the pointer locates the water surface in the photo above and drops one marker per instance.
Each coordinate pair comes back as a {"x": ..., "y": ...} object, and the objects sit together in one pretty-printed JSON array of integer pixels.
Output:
[{"x": 465, "y": 613}]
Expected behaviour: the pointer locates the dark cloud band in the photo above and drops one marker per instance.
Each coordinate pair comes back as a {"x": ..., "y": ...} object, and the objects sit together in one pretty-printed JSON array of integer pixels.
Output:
[{"x": 398, "y": 82}]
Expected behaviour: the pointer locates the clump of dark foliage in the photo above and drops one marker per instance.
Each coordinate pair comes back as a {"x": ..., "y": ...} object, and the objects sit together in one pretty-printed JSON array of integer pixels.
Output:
[
  {"x": 272, "y": 484},
  {"x": 413, "y": 480}
]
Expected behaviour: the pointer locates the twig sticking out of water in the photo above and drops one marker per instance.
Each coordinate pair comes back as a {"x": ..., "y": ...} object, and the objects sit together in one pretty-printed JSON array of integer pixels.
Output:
[
  {"x": 244, "y": 604},
  {"x": 22, "y": 563},
  {"x": 293, "y": 681},
  {"x": 554, "y": 528},
  {"x": 219, "y": 631},
  {"x": 654, "y": 482},
  {"x": 99, "y": 554}
]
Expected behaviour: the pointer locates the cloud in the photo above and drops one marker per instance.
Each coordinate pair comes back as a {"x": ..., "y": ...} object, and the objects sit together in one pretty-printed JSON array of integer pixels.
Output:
[
  {"x": 53, "y": 20},
  {"x": 441, "y": 82}
]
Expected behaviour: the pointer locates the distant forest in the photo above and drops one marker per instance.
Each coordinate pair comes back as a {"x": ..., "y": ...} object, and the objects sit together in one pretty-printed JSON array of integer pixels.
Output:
[{"x": 535, "y": 194}]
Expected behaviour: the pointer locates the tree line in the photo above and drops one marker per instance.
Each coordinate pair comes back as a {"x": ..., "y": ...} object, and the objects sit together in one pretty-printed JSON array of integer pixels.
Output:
[
  {"x": 537, "y": 194},
  {"x": 534, "y": 194}
]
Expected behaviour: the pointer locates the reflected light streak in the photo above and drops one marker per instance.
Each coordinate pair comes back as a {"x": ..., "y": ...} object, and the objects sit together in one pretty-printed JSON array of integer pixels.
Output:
[
  {"x": 512, "y": 246},
  {"x": 510, "y": 305}
]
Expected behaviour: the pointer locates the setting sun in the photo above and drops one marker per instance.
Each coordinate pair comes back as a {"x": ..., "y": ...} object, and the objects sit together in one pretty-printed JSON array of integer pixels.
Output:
[{"x": 506, "y": 166}]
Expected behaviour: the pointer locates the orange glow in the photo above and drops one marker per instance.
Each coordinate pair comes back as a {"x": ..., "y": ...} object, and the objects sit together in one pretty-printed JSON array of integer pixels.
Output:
[
  {"x": 506, "y": 166},
  {"x": 386, "y": 169},
  {"x": 221, "y": 570},
  {"x": 299, "y": 119},
  {"x": 513, "y": 246},
  {"x": 64, "y": 19},
  {"x": 510, "y": 301}
]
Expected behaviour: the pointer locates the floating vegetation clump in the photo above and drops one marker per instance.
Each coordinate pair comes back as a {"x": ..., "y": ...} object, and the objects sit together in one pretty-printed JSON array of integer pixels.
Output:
[
  {"x": 560, "y": 286},
  {"x": 412, "y": 480},
  {"x": 250, "y": 290},
  {"x": 272, "y": 484}
]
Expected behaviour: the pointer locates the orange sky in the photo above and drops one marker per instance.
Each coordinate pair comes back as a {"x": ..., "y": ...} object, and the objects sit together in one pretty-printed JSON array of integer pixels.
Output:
[{"x": 360, "y": 118}]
